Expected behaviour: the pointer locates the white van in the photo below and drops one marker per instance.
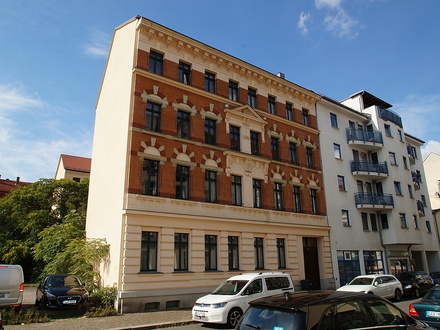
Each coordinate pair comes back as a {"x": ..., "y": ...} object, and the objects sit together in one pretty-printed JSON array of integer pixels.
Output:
[
  {"x": 11, "y": 286},
  {"x": 229, "y": 301}
]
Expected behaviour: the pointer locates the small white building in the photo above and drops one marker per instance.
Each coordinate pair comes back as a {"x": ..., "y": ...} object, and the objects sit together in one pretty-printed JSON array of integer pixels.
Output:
[
  {"x": 376, "y": 194},
  {"x": 73, "y": 167}
]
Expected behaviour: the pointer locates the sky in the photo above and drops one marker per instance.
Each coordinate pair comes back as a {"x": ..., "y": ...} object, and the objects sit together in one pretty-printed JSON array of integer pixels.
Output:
[{"x": 53, "y": 54}]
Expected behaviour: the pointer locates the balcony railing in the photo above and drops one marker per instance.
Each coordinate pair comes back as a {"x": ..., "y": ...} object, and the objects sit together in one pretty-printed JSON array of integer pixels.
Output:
[
  {"x": 421, "y": 208},
  {"x": 391, "y": 116},
  {"x": 374, "y": 199},
  {"x": 369, "y": 167},
  {"x": 364, "y": 135}
]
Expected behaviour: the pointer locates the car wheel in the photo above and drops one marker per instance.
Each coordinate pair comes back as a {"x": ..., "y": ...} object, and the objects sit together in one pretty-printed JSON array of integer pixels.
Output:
[
  {"x": 416, "y": 293},
  {"x": 234, "y": 316},
  {"x": 397, "y": 295}
]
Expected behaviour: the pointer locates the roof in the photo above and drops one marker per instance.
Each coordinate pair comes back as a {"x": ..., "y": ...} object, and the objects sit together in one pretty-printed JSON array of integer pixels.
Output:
[
  {"x": 7, "y": 185},
  {"x": 75, "y": 163},
  {"x": 370, "y": 100},
  {"x": 301, "y": 299}
]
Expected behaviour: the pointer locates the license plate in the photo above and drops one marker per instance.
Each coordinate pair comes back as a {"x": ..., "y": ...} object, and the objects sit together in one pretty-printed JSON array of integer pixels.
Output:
[
  {"x": 433, "y": 314},
  {"x": 69, "y": 302},
  {"x": 200, "y": 314}
]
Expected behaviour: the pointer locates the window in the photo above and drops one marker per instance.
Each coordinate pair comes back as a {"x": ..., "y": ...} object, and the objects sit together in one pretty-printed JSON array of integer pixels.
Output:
[
  {"x": 156, "y": 62},
  {"x": 76, "y": 179},
  {"x": 210, "y": 252},
  {"x": 399, "y": 132},
  {"x": 349, "y": 266},
  {"x": 402, "y": 218},
  {"x": 185, "y": 73},
  {"x": 257, "y": 187},
  {"x": 233, "y": 253},
  {"x": 416, "y": 222},
  {"x": 150, "y": 177},
  {"x": 384, "y": 221},
  {"x": 373, "y": 262},
  {"x": 289, "y": 111},
  {"x": 345, "y": 218},
  {"x": 271, "y": 105},
  {"x": 341, "y": 183},
  {"x": 152, "y": 121},
  {"x": 274, "y": 147},
  {"x": 405, "y": 164},
  {"x": 252, "y": 97},
  {"x": 149, "y": 251},
  {"x": 236, "y": 190},
  {"x": 259, "y": 252},
  {"x": 211, "y": 186},
  {"x": 182, "y": 182},
  {"x": 397, "y": 188},
  {"x": 373, "y": 222},
  {"x": 337, "y": 151},
  {"x": 423, "y": 200},
  {"x": 305, "y": 117},
  {"x": 333, "y": 120},
  {"x": 255, "y": 143},
  {"x": 183, "y": 124},
  {"x": 297, "y": 207},
  {"x": 234, "y": 135},
  {"x": 233, "y": 90},
  {"x": 210, "y": 82},
  {"x": 278, "y": 196},
  {"x": 393, "y": 160},
  {"x": 281, "y": 252},
  {"x": 364, "y": 217},
  {"x": 293, "y": 153},
  {"x": 210, "y": 131},
  {"x": 387, "y": 130},
  {"x": 410, "y": 191},
  {"x": 314, "y": 201},
  {"x": 309, "y": 157},
  {"x": 428, "y": 227},
  {"x": 180, "y": 252}
]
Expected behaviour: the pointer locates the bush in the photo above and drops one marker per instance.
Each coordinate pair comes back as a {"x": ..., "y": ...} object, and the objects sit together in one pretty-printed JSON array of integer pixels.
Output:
[
  {"x": 101, "y": 311},
  {"x": 104, "y": 298},
  {"x": 29, "y": 316}
]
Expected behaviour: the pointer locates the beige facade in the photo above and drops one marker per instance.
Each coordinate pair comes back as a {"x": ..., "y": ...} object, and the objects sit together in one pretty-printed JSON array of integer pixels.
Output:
[{"x": 237, "y": 207}]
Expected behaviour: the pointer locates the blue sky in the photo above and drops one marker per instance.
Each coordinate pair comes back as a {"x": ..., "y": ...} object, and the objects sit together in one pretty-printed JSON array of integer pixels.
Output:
[{"x": 53, "y": 55}]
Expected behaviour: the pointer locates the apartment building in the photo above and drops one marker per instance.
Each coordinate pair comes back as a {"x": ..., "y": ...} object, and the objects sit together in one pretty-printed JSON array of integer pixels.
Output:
[
  {"x": 376, "y": 193},
  {"x": 204, "y": 166}
]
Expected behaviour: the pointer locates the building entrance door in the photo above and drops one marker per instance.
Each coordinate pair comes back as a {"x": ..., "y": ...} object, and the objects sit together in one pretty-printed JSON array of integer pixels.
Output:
[{"x": 311, "y": 262}]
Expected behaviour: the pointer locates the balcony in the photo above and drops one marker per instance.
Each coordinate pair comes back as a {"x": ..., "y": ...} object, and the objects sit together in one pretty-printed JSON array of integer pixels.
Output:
[
  {"x": 421, "y": 208},
  {"x": 411, "y": 154},
  {"x": 391, "y": 116},
  {"x": 369, "y": 169},
  {"x": 417, "y": 179},
  {"x": 374, "y": 201},
  {"x": 367, "y": 139}
]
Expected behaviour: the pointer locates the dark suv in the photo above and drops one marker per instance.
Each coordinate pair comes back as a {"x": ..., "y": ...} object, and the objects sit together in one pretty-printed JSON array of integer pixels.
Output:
[
  {"x": 324, "y": 310},
  {"x": 415, "y": 284}
]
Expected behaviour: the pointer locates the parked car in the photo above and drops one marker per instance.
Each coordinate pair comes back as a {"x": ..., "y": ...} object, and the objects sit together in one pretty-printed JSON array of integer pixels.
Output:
[
  {"x": 227, "y": 303},
  {"x": 387, "y": 286},
  {"x": 324, "y": 310},
  {"x": 435, "y": 277},
  {"x": 428, "y": 309},
  {"x": 11, "y": 286},
  {"x": 61, "y": 291},
  {"x": 415, "y": 284}
]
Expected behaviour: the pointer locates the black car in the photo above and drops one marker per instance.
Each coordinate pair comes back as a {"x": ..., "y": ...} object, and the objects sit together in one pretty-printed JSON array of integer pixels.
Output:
[
  {"x": 415, "y": 284},
  {"x": 324, "y": 310},
  {"x": 61, "y": 291}
]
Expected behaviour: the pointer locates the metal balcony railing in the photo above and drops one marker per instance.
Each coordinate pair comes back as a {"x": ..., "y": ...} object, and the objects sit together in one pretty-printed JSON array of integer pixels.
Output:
[
  {"x": 370, "y": 167},
  {"x": 374, "y": 199},
  {"x": 364, "y": 135},
  {"x": 391, "y": 116}
]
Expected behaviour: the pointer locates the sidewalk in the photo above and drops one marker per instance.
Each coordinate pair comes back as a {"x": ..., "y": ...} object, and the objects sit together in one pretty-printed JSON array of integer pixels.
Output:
[{"x": 149, "y": 320}]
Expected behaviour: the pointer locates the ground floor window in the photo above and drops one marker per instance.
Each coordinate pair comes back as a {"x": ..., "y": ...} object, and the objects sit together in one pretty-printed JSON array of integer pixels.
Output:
[
  {"x": 373, "y": 262},
  {"x": 348, "y": 264},
  {"x": 259, "y": 252},
  {"x": 180, "y": 251},
  {"x": 149, "y": 251}
]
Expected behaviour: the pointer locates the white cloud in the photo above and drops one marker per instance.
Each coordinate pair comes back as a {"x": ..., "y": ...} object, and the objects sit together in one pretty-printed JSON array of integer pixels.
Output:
[
  {"x": 13, "y": 98},
  {"x": 98, "y": 46},
  {"x": 430, "y": 146},
  {"x": 341, "y": 24},
  {"x": 328, "y": 3},
  {"x": 302, "y": 23}
]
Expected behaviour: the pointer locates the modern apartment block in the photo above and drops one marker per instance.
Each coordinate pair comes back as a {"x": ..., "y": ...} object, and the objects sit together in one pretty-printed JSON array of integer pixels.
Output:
[
  {"x": 376, "y": 193},
  {"x": 203, "y": 166}
]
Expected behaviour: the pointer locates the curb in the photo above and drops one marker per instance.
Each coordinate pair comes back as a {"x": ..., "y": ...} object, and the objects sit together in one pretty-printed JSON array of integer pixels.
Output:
[{"x": 157, "y": 325}]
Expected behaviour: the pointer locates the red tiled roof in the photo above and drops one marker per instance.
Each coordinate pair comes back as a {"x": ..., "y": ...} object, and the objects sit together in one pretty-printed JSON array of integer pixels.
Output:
[
  {"x": 7, "y": 185},
  {"x": 78, "y": 164}
]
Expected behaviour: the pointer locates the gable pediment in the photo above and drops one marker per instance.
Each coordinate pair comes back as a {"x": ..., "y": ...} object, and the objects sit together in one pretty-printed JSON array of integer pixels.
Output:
[{"x": 245, "y": 112}]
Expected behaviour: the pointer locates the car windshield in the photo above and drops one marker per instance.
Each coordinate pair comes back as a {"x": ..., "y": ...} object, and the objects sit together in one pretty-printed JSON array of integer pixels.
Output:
[
  {"x": 230, "y": 287},
  {"x": 362, "y": 281},
  {"x": 262, "y": 318},
  {"x": 435, "y": 275},
  {"x": 405, "y": 276},
  {"x": 433, "y": 295},
  {"x": 63, "y": 280}
]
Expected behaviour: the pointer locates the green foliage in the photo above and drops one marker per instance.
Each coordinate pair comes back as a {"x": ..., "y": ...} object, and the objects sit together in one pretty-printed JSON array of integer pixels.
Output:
[
  {"x": 29, "y": 316},
  {"x": 101, "y": 312},
  {"x": 104, "y": 297}
]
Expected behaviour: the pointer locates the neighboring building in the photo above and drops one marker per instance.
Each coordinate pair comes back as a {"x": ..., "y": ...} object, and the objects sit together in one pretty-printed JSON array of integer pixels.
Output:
[
  {"x": 73, "y": 168},
  {"x": 376, "y": 194},
  {"x": 7, "y": 185},
  {"x": 204, "y": 166},
  {"x": 431, "y": 165}
]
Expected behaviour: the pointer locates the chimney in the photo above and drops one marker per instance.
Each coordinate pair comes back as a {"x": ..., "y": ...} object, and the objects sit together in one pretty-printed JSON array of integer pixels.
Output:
[
  {"x": 281, "y": 75},
  {"x": 18, "y": 181}
]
